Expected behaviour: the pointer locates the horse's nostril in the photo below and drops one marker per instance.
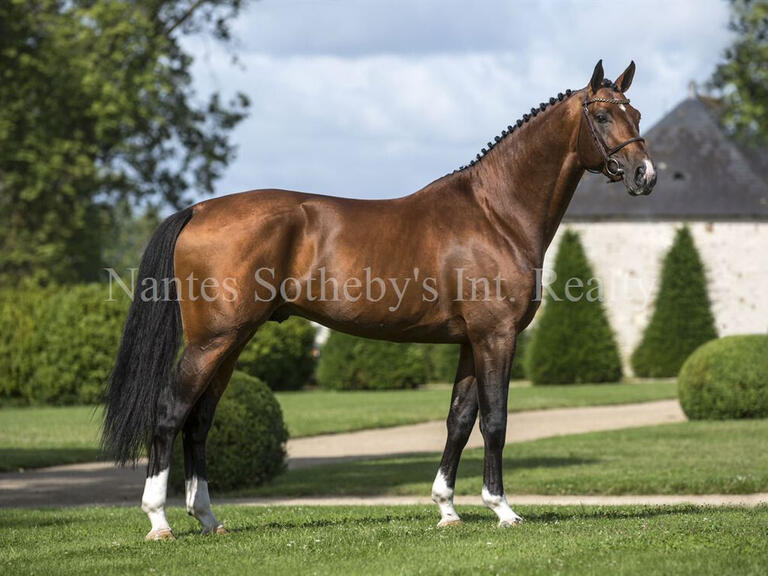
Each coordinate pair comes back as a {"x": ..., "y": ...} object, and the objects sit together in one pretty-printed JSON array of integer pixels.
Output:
[{"x": 640, "y": 175}]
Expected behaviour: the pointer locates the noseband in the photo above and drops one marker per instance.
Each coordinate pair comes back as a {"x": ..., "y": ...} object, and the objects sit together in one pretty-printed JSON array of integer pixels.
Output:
[{"x": 613, "y": 167}]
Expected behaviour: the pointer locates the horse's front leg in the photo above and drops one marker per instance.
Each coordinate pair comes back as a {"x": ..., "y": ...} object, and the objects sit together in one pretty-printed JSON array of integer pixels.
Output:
[
  {"x": 461, "y": 419},
  {"x": 493, "y": 359}
]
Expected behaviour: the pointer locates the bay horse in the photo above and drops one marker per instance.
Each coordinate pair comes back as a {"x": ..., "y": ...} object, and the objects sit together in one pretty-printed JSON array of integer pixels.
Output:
[{"x": 491, "y": 220}]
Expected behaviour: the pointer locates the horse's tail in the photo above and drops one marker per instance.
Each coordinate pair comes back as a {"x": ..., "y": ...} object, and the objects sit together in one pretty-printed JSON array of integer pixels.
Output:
[{"x": 145, "y": 364}]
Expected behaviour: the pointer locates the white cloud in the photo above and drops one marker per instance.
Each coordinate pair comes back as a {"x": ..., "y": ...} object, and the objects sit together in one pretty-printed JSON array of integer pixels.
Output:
[{"x": 380, "y": 100}]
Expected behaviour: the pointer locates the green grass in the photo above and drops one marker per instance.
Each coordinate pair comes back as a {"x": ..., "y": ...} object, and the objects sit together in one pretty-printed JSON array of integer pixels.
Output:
[
  {"x": 685, "y": 458},
  {"x": 391, "y": 540},
  {"x": 34, "y": 437}
]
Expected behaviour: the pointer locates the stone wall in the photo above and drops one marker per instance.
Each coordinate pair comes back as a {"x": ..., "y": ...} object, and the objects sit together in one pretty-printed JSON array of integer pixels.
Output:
[{"x": 626, "y": 256}]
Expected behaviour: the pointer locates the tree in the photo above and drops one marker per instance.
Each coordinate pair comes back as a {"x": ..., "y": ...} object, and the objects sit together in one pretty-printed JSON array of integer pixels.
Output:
[
  {"x": 122, "y": 248},
  {"x": 743, "y": 76},
  {"x": 682, "y": 318},
  {"x": 97, "y": 105},
  {"x": 572, "y": 341}
]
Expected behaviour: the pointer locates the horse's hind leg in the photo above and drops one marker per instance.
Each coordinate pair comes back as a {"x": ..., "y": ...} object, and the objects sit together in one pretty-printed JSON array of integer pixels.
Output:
[
  {"x": 461, "y": 420},
  {"x": 195, "y": 432},
  {"x": 198, "y": 364}
]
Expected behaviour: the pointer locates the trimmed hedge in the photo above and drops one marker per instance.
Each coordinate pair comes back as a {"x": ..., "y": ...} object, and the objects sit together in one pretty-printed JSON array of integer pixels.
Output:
[
  {"x": 246, "y": 443},
  {"x": 682, "y": 319},
  {"x": 440, "y": 361},
  {"x": 352, "y": 363},
  {"x": 57, "y": 345},
  {"x": 572, "y": 341},
  {"x": 281, "y": 354},
  {"x": 518, "y": 364},
  {"x": 726, "y": 378},
  {"x": 443, "y": 359}
]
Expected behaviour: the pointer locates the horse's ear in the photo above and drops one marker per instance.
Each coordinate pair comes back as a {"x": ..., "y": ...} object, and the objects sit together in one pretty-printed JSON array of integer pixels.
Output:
[
  {"x": 625, "y": 80},
  {"x": 597, "y": 76}
]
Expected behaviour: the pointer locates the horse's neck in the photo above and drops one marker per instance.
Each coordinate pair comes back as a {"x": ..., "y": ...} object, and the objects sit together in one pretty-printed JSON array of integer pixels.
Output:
[{"x": 528, "y": 179}]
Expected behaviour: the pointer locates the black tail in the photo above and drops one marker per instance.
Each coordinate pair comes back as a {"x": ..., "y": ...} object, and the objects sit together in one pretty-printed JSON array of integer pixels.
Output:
[{"x": 145, "y": 363}]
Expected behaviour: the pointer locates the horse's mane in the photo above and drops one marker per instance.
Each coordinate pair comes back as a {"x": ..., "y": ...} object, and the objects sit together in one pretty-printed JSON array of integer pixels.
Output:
[{"x": 524, "y": 120}]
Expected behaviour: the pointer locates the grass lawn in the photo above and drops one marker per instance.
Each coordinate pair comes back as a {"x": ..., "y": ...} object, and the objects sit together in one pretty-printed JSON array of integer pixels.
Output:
[
  {"x": 684, "y": 458},
  {"x": 391, "y": 540},
  {"x": 34, "y": 437}
]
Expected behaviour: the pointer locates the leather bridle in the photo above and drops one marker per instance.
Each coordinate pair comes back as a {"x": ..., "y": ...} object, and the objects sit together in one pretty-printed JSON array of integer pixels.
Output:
[{"x": 613, "y": 168}]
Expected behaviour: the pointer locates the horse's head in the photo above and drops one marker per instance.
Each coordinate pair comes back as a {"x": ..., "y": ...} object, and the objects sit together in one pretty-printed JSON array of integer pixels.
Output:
[{"x": 609, "y": 140}]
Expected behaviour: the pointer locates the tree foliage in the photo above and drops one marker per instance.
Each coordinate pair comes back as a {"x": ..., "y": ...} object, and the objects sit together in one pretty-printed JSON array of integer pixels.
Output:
[
  {"x": 682, "y": 319},
  {"x": 572, "y": 341},
  {"x": 743, "y": 75},
  {"x": 96, "y": 105}
]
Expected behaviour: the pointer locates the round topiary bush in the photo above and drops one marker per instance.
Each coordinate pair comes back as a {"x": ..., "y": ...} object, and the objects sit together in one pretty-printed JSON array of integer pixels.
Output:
[
  {"x": 246, "y": 443},
  {"x": 352, "y": 363},
  {"x": 281, "y": 354},
  {"x": 572, "y": 341},
  {"x": 726, "y": 378},
  {"x": 682, "y": 318}
]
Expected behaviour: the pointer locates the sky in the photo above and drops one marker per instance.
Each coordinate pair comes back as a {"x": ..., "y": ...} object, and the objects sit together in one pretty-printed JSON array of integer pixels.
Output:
[{"x": 377, "y": 98}]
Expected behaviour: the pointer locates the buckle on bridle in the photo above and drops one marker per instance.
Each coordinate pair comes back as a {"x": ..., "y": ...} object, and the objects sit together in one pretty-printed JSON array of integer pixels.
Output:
[{"x": 613, "y": 168}]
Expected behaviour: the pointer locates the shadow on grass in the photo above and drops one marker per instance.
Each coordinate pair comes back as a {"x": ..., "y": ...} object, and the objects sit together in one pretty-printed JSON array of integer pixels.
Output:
[
  {"x": 565, "y": 513},
  {"x": 472, "y": 517},
  {"x": 14, "y": 459},
  {"x": 380, "y": 476},
  {"x": 35, "y": 521}
]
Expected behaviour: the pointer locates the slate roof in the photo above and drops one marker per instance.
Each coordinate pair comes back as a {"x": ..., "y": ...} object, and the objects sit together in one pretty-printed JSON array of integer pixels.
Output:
[{"x": 702, "y": 175}]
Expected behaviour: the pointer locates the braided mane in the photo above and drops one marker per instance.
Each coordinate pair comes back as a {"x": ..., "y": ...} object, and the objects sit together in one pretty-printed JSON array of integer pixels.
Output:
[{"x": 526, "y": 117}]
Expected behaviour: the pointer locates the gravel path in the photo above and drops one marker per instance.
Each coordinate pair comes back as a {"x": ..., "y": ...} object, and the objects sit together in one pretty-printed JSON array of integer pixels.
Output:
[
  {"x": 746, "y": 500},
  {"x": 102, "y": 483}
]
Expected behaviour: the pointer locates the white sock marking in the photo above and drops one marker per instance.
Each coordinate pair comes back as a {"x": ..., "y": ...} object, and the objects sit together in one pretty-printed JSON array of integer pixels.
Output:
[
  {"x": 153, "y": 500},
  {"x": 498, "y": 503},
  {"x": 199, "y": 503},
  {"x": 442, "y": 495}
]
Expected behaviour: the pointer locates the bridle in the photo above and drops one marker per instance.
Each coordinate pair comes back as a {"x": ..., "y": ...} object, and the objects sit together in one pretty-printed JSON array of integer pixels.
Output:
[{"x": 613, "y": 168}]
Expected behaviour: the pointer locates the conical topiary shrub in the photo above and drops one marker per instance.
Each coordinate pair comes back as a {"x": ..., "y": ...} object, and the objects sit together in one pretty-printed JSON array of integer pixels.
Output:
[
  {"x": 682, "y": 319},
  {"x": 572, "y": 341}
]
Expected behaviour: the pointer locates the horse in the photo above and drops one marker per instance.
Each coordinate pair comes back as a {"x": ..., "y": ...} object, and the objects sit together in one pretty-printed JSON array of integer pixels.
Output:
[{"x": 212, "y": 273}]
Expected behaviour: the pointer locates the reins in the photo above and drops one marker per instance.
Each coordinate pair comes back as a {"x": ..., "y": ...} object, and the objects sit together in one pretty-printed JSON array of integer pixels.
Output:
[{"x": 612, "y": 166}]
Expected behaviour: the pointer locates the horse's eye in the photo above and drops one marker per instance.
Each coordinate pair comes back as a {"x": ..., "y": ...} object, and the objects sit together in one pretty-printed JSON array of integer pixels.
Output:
[{"x": 601, "y": 117}]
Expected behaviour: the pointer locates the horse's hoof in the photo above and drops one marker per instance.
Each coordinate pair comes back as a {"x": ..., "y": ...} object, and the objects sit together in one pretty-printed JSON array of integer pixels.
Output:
[
  {"x": 511, "y": 522},
  {"x": 162, "y": 534},
  {"x": 218, "y": 531},
  {"x": 449, "y": 522}
]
